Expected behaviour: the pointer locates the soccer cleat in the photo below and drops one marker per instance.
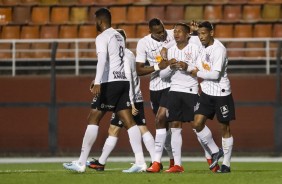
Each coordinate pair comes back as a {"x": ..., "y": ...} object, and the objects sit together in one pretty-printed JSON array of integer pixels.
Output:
[
  {"x": 171, "y": 163},
  {"x": 155, "y": 167},
  {"x": 216, "y": 168},
  {"x": 161, "y": 165},
  {"x": 96, "y": 165},
  {"x": 175, "y": 169},
  {"x": 75, "y": 166},
  {"x": 215, "y": 158},
  {"x": 136, "y": 168},
  {"x": 224, "y": 169}
]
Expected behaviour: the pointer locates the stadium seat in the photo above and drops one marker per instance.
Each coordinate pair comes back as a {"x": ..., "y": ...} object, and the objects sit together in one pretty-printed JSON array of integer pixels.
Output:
[
  {"x": 276, "y": 33},
  {"x": 49, "y": 2},
  {"x": 30, "y": 2},
  {"x": 237, "y": 1},
  {"x": 67, "y": 31},
  {"x": 5, "y": 15},
  {"x": 21, "y": 14},
  {"x": 257, "y": 1},
  {"x": 11, "y": 2},
  {"x": 8, "y": 32},
  {"x": 91, "y": 17},
  {"x": 174, "y": 13},
  {"x": 161, "y": 1},
  {"x": 260, "y": 31},
  {"x": 27, "y": 32},
  {"x": 136, "y": 14},
  {"x": 232, "y": 13},
  {"x": 86, "y": 31},
  {"x": 130, "y": 30},
  {"x": 224, "y": 31},
  {"x": 86, "y": 2},
  {"x": 194, "y": 13},
  {"x": 155, "y": 12},
  {"x": 243, "y": 31},
  {"x": 118, "y": 14},
  {"x": 59, "y": 15},
  {"x": 142, "y": 30},
  {"x": 68, "y": 2},
  {"x": 78, "y": 15},
  {"x": 271, "y": 12},
  {"x": 251, "y": 13},
  {"x": 40, "y": 15},
  {"x": 213, "y": 13},
  {"x": 42, "y": 50}
]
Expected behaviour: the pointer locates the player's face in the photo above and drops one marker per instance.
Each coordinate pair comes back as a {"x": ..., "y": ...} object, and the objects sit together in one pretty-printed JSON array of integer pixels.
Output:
[
  {"x": 158, "y": 32},
  {"x": 206, "y": 36},
  {"x": 180, "y": 35}
]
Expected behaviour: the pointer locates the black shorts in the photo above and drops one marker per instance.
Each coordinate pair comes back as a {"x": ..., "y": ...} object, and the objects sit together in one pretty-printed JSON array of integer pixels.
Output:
[
  {"x": 139, "y": 118},
  {"x": 222, "y": 106},
  {"x": 181, "y": 106},
  {"x": 114, "y": 97},
  {"x": 158, "y": 98}
]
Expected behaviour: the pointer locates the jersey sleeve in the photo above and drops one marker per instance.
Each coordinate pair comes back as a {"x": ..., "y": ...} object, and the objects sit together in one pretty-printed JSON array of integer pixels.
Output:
[
  {"x": 219, "y": 55},
  {"x": 141, "y": 51},
  {"x": 101, "y": 45}
]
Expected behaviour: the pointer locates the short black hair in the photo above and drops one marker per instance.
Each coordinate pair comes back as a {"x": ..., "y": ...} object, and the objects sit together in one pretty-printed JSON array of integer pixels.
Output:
[
  {"x": 186, "y": 27},
  {"x": 154, "y": 22},
  {"x": 206, "y": 24},
  {"x": 104, "y": 13},
  {"x": 122, "y": 32}
]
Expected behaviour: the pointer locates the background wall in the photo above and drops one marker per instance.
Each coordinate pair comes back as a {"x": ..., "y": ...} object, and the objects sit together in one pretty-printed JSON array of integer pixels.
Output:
[{"x": 24, "y": 130}]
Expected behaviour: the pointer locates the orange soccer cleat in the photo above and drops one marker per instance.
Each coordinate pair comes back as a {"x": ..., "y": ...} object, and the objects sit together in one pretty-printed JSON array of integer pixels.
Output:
[
  {"x": 155, "y": 167},
  {"x": 175, "y": 169},
  {"x": 216, "y": 168}
]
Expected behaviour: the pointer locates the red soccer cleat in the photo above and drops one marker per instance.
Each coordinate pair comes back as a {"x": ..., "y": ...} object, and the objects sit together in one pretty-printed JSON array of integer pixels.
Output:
[
  {"x": 175, "y": 169},
  {"x": 155, "y": 167},
  {"x": 216, "y": 168}
]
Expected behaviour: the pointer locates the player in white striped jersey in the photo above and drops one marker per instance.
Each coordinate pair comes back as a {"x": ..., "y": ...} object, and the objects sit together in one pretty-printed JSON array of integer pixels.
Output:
[
  {"x": 136, "y": 100},
  {"x": 111, "y": 92},
  {"x": 216, "y": 97},
  {"x": 183, "y": 93},
  {"x": 149, "y": 50}
]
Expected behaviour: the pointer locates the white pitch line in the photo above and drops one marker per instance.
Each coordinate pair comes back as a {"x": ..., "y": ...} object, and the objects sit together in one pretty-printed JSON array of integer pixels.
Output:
[{"x": 8, "y": 160}]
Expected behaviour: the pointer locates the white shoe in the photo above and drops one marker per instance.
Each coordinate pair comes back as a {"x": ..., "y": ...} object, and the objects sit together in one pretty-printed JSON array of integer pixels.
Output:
[
  {"x": 74, "y": 166},
  {"x": 136, "y": 168}
]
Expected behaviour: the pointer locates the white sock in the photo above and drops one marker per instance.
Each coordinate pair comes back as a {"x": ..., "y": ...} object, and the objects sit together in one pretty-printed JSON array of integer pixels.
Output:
[
  {"x": 206, "y": 139},
  {"x": 227, "y": 145},
  {"x": 167, "y": 144},
  {"x": 136, "y": 145},
  {"x": 159, "y": 143},
  {"x": 176, "y": 145},
  {"x": 149, "y": 142},
  {"x": 109, "y": 145},
  {"x": 87, "y": 143},
  {"x": 207, "y": 155}
]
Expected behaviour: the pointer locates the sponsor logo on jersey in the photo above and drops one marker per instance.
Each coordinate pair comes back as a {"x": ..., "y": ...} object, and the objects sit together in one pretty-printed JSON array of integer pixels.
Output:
[
  {"x": 119, "y": 75},
  {"x": 158, "y": 59}
]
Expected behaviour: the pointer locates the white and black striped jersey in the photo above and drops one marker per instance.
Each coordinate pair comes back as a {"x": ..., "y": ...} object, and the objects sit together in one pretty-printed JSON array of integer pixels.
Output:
[
  {"x": 135, "y": 94},
  {"x": 214, "y": 58},
  {"x": 111, "y": 43},
  {"x": 148, "y": 49},
  {"x": 181, "y": 80}
]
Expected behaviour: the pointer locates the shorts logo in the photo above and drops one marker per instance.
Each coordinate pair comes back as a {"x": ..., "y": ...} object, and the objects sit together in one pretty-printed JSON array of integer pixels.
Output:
[
  {"x": 196, "y": 107},
  {"x": 104, "y": 106},
  {"x": 224, "y": 111},
  {"x": 128, "y": 104},
  {"x": 94, "y": 99},
  {"x": 143, "y": 121}
]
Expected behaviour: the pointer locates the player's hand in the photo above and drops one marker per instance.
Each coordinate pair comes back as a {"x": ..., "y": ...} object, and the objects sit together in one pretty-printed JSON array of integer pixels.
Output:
[
  {"x": 164, "y": 53},
  {"x": 163, "y": 64},
  {"x": 173, "y": 64},
  {"x": 182, "y": 65},
  {"x": 134, "y": 110},
  {"x": 194, "y": 26},
  {"x": 96, "y": 90},
  {"x": 194, "y": 72}
]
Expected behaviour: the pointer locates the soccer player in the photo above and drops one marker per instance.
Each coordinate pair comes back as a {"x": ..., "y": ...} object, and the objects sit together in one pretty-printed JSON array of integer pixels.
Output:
[
  {"x": 149, "y": 49},
  {"x": 183, "y": 93},
  {"x": 216, "y": 97},
  {"x": 136, "y": 100},
  {"x": 111, "y": 92}
]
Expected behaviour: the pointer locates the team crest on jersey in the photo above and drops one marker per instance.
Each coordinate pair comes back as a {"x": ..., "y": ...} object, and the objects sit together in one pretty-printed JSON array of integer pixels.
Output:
[
  {"x": 208, "y": 58},
  {"x": 224, "y": 111},
  {"x": 188, "y": 56}
]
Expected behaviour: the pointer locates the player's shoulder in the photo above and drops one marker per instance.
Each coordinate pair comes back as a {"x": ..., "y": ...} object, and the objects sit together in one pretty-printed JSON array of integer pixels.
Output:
[
  {"x": 145, "y": 38},
  {"x": 129, "y": 53},
  {"x": 218, "y": 44}
]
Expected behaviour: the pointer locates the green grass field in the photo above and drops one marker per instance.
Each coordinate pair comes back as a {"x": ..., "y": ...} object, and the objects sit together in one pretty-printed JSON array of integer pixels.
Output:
[{"x": 195, "y": 172}]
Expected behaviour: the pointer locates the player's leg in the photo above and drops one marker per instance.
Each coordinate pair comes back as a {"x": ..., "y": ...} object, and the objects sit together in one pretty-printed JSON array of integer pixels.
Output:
[
  {"x": 135, "y": 140},
  {"x": 176, "y": 145},
  {"x": 148, "y": 141},
  {"x": 109, "y": 145},
  {"x": 89, "y": 138}
]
